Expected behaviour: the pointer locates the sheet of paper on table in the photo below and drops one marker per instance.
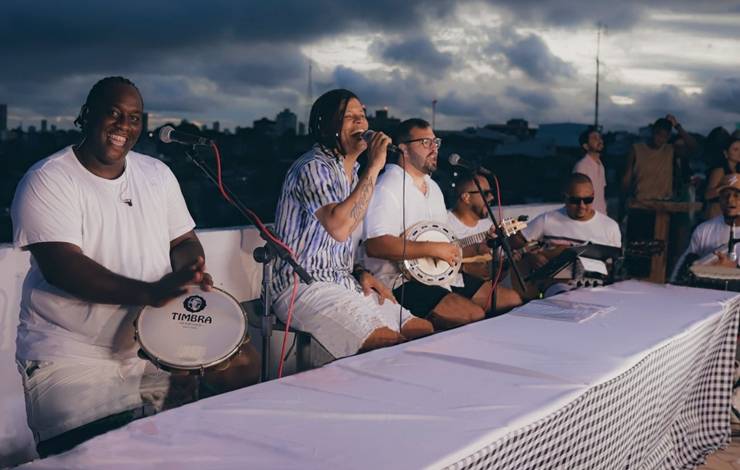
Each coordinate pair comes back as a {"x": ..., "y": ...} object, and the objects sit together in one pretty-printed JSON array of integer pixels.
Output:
[{"x": 561, "y": 309}]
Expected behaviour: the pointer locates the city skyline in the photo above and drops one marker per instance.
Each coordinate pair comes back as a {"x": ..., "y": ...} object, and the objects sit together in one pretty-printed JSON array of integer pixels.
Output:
[{"x": 483, "y": 62}]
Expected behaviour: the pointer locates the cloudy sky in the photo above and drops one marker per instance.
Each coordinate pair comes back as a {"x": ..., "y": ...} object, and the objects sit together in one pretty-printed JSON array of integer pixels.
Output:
[{"x": 483, "y": 61}]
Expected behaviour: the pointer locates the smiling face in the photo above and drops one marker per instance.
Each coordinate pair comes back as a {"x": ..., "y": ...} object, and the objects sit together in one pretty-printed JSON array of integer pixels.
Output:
[
  {"x": 112, "y": 125},
  {"x": 595, "y": 143},
  {"x": 354, "y": 123}
]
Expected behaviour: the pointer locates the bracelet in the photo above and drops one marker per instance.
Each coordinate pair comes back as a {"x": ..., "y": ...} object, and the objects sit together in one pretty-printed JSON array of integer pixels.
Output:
[{"x": 357, "y": 271}]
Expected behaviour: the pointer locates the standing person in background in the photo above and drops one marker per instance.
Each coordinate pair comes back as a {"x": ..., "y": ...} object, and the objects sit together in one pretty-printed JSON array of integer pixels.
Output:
[{"x": 590, "y": 165}]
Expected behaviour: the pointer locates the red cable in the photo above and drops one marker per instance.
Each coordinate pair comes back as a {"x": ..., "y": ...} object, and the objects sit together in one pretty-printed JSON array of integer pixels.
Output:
[
  {"x": 258, "y": 222},
  {"x": 287, "y": 324}
]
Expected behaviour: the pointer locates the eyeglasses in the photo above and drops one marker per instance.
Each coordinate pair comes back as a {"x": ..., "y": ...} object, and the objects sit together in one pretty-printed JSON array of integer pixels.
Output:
[
  {"x": 426, "y": 142},
  {"x": 486, "y": 192},
  {"x": 576, "y": 201}
]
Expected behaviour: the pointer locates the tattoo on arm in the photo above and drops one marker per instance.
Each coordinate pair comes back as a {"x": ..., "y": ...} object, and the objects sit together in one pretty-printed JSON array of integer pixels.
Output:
[{"x": 365, "y": 192}]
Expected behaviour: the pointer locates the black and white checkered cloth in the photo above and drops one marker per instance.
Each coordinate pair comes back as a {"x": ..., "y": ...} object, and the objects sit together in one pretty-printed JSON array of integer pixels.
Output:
[{"x": 668, "y": 411}]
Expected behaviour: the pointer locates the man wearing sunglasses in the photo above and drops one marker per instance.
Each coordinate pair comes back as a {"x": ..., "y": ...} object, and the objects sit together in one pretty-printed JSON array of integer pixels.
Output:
[
  {"x": 574, "y": 224},
  {"x": 406, "y": 194}
]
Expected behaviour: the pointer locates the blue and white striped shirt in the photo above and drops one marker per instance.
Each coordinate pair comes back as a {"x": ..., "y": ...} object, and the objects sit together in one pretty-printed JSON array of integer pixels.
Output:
[{"x": 316, "y": 179}]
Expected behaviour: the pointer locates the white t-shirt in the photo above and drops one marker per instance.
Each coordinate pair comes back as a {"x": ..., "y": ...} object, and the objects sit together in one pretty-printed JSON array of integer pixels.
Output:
[
  {"x": 461, "y": 230},
  {"x": 385, "y": 215},
  {"x": 708, "y": 238},
  {"x": 59, "y": 200},
  {"x": 594, "y": 170},
  {"x": 555, "y": 226}
]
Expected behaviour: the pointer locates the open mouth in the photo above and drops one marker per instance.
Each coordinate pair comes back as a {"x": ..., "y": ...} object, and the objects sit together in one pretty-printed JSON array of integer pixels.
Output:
[{"x": 117, "y": 140}]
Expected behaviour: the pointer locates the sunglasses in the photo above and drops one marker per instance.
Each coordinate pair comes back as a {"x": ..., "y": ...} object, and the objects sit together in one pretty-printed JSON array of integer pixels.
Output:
[{"x": 576, "y": 201}]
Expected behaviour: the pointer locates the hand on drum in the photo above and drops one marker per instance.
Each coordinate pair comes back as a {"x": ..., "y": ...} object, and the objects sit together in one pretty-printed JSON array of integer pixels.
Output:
[
  {"x": 176, "y": 283},
  {"x": 724, "y": 260},
  {"x": 370, "y": 284}
]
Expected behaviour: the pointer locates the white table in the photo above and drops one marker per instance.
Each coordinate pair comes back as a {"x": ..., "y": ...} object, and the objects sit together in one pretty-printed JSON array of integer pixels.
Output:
[{"x": 646, "y": 385}]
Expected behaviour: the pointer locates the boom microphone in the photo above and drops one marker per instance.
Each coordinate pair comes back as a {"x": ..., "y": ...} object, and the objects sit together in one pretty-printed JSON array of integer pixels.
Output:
[
  {"x": 457, "y": 160},
  {"x": 368, "y": 135},
  {"x": 168, "y": 134}
]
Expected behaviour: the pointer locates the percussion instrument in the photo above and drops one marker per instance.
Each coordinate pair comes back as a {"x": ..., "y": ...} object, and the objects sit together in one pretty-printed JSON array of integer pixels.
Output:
[
  {"x": 715, "y": 277},
  {"x": 432, "y": 271},
  {"x": 196, "y": 331}
]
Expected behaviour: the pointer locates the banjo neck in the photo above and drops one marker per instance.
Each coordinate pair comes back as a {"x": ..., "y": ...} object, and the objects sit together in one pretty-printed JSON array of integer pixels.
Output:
[{"x": 472, "y": 239}]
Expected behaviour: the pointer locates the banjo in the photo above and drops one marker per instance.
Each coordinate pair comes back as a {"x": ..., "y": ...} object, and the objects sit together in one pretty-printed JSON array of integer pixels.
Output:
[{"x": 436, "y": 272}]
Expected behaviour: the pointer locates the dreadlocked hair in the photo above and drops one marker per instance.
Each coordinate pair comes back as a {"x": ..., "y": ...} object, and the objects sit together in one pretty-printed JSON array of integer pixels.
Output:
[
  {"x": 327, "y": 114},
  {"x": 96, "y": 94}
]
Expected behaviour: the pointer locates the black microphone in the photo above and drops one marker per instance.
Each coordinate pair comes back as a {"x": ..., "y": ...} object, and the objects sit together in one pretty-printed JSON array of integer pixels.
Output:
[
  {"x": 456, "y": 160},
  {"x": 168, "y": 134},
  {"x": 368, "y": 135}
]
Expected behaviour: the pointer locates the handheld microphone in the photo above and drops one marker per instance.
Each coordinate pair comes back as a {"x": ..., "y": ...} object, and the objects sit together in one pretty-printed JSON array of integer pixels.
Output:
[
  {"x": 168, "y": 134},
  {"x": 456, "y": 160},
  {"x": 368, "y": 135}
]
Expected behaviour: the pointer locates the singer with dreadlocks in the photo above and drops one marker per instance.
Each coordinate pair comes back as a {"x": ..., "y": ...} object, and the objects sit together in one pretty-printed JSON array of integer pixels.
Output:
[
  {"x": 323, "y": 202},
  {"x": 108, "y": 230}
]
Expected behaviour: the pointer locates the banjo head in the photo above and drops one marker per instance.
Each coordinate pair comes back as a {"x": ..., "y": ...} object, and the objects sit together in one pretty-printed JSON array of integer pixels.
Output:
[{"x": 430, "y": 271}]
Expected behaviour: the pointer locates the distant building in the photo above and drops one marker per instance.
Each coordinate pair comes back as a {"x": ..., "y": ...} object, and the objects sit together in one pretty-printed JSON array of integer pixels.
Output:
[
  {"x": 145, "y": 123},
  {"x": 44, "y": 125},
  {"x": 382, "y": 121},
  {"x": 562, "y": 134},
  {"x": 286, "y": 122},
  {"x": 518, "y": 128},
  {"x": 3, "y": 117},
  {"x": 301, "y": 128},
  {"x": 216, "y": 126},
  {"x": 265, "y": 126}
]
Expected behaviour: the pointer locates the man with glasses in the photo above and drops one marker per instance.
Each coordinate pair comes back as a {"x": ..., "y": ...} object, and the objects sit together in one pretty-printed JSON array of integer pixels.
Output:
[
  {"x": 574, "y": 224},
  {"x": 716, "y": 235},
  {"x": 405, "y": 195},
  {"x": 469, "y": 216}
]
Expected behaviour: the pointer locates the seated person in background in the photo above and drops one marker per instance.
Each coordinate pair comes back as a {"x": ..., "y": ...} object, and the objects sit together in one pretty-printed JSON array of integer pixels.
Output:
[
  {"x": 466, "y": 299},
  {"x": 108, "y": 232},
  {"x": 576, "y": 223},
  {"x": 469, "y": 216},
  {"x": 730, "y": 166},
  {"x": 323, "y": 201},
  {"x": 713, "y": 242}
]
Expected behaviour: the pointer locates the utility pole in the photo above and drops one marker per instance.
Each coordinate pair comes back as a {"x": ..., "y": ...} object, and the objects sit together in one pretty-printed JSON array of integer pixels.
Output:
[
  {"x": 309, "y": 93},
  {"x": 598, "y": 63}
]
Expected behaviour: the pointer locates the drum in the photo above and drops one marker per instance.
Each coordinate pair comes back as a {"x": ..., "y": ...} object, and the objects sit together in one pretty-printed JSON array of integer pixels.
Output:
[
  {"x": 715, "y": 277},
  {"x": 193, "y": 332}
]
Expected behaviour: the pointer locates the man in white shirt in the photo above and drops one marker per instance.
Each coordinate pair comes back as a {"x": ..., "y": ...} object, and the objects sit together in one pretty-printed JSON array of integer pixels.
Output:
[
  {"x": 714, "y": 241},
  {"x": 406, "y": 195},
  {"x": 469, "y": 216},
  {"x": 574, "y": 224},
  {"x": 108, "y": 230},
  {"x": 590, "y": 165}
]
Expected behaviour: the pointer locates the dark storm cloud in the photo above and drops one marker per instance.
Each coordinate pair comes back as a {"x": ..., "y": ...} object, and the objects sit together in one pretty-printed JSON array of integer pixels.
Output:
[
  {"x": 573, "y": 13},
  {"x": 724, "y": 95},
  {"x": 418, "y": 53},
  {"x": 534, "y": 99},
  {"x": 379, "y": 89},
  {"x": 531, "y": 55}
]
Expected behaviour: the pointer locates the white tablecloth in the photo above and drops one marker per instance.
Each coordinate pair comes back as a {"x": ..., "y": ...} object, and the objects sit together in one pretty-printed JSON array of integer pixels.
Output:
[{"x": 464, "y": 397}]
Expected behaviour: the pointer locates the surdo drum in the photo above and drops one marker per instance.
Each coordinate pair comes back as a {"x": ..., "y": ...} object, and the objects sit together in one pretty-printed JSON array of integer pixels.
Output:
[{"x": 193, "y": 332}]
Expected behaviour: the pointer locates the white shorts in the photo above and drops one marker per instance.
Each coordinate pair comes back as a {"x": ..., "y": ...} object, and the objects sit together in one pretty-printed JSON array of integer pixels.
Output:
[
  {"x": 339, "y": 319},
  {"x": 62, "y": 395}
]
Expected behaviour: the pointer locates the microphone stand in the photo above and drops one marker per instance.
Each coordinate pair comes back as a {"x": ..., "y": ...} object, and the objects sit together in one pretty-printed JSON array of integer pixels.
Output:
[
  {"x": 503, "y": 239},
  {"x": 265, "y": 255}
]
